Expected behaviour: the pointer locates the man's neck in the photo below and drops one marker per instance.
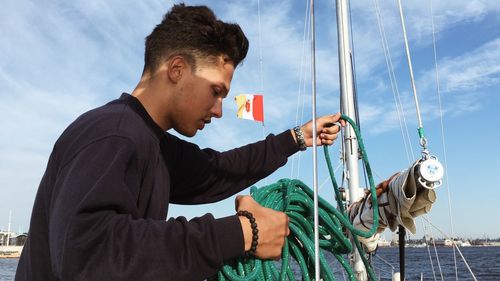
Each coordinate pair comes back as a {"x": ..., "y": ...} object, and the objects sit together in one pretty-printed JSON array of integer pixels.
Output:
[{"x": 152, "y": 98}]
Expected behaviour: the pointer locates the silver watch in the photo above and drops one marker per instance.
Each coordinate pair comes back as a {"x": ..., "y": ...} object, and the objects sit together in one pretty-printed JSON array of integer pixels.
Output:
[{"x": 300, "y": 138}]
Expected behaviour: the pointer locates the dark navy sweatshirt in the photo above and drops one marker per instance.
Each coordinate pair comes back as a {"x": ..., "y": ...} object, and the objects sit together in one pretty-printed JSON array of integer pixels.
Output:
[{"x": 101, "y": 207}]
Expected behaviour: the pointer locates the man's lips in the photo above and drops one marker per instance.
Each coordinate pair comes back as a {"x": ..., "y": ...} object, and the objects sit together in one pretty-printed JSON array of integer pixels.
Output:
[{"x": 204, "y": 121}]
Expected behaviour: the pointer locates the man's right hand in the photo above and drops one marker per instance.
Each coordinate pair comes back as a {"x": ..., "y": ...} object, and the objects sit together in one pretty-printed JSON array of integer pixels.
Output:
[{"x": 272, "y": 225}]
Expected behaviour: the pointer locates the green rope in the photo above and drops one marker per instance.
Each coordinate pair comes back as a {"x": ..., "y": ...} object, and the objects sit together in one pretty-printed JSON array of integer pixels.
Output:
[{"x": 296, "y": 199}]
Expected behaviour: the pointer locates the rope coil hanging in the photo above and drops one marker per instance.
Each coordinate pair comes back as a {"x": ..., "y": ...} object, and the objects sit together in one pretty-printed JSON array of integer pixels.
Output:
[{"x": 295, "y": 199}]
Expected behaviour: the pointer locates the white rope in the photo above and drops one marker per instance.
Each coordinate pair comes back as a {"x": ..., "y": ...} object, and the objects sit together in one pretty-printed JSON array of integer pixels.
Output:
[
  {"x": 453, "y": 244},
  {"x": 394, "y": 86},
  {"x": 410, "y": 67}
]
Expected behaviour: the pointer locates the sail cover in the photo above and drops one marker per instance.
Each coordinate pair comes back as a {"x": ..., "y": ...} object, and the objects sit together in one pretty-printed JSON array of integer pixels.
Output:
[{"x": 401, "y": 199}]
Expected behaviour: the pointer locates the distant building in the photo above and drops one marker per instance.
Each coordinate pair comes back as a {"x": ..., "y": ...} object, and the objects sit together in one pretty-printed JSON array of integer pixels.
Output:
[
  {"x": 19, "y": 240},
  {"x": 14, "y": 239},
  {"x": 4, "y": 236}
]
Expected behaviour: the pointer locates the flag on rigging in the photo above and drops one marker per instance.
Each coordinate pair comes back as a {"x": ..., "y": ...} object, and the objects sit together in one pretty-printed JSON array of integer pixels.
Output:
[{"x": 250, "y": 107}]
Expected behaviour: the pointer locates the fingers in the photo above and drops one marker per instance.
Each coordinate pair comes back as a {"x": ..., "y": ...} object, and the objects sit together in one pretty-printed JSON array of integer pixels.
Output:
[
  {"x": 329, "y": 132},
  {"x": 244, "y": 202},
  {"x": 237, "y": 202},
  {"x": 334, "y": 129},
  {"x": 332, "y": 119},
  {"x": 272, "y": 226},
  {"x": 273, "y": 230},
  {"x": 328, "y": 137},
  {"x": 326, "y": 141},
  {"x": 326, "y": 121}
]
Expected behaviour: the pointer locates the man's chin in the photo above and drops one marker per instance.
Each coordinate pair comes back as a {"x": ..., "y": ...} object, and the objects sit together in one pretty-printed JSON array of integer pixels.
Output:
[{"x": 187, "y": 133}]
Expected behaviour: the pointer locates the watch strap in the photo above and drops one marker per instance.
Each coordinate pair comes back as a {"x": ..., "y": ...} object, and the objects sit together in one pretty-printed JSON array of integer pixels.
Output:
[{"x": 299, "y": 136}]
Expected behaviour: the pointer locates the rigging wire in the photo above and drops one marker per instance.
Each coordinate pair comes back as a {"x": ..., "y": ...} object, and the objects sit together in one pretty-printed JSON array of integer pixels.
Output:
[
  {"x": 314, "y": 147},
  {"x": 356, "y": 98},
  {"x": 354, "y": 85},
  {"x": 386, "y": 262},
  {"x": 394, "y": 86},
  {"x": 351, "y": 153},
  {"x": 429, "y": 251},
  {"x": 454, "y": 245},
  {"x": 327, "y": 178},
  {"x": 261, "y": 69},
  {"x": 382, "y": 270},
  {"x": 295, "y": 199},
  {"x": 388, "y": 60},
  {"x": 260, "y": 48},
  {"x": 423, "y": 140},
  {"x": 438, "y": 92},
  {"x": 301, "y": 91},
  {"x": 353, "y": 64},
  {"x": 436, "y": 252}
]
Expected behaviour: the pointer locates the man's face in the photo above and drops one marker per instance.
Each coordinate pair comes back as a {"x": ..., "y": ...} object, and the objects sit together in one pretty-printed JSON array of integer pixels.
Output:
[{"x": 200, "y": 96}]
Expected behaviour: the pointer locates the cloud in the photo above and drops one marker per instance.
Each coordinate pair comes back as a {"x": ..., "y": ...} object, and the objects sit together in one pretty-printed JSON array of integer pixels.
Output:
[
  {"x": 57, "y": 61},
  {"x": 61, "y": 58},
  {"x": 464, "y": 80},
  {"x": 473, "y": 70}
]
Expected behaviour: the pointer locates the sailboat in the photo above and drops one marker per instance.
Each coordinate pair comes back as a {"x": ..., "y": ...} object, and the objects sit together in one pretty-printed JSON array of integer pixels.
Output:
[
  {"x": 23, "y": 98},
  {"x": 6, "y": 249},
  {"x": 405, "y": 195},
  {"x": 393, "y": 203}
]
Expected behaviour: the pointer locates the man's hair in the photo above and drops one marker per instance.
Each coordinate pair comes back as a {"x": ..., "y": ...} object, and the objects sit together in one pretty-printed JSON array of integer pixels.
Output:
[{"x": 195, "y": 33}]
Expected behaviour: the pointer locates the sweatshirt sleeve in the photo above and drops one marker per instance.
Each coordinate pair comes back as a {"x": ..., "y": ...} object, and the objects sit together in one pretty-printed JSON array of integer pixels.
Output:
[
  {"x": 96, "y": 232},
  {"x": 205, "y": 176}
]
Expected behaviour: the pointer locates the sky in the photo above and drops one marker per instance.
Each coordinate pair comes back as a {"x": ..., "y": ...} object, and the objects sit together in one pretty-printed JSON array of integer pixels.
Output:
[{"x": 59, "y": 59}]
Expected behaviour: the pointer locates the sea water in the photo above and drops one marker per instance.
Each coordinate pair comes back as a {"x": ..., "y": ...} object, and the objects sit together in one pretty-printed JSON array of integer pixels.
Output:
[{"x": 484, "y": 262}]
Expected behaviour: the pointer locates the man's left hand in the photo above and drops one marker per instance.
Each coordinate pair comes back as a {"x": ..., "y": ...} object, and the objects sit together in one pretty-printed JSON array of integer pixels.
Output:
[{"x": 327, "y": 128}]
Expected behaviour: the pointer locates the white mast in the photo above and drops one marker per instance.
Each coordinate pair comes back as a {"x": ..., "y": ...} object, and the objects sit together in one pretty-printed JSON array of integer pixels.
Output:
[
  {"x": 8, "y": 228},
  {"x": 351, "y": 154}
]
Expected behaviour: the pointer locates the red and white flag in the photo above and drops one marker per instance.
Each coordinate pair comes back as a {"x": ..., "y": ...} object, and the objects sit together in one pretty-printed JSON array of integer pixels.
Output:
[{"x": 250, "y": 107}]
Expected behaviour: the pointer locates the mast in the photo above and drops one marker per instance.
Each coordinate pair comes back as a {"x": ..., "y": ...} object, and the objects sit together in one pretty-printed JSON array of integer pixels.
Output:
[
  {"x": 8, "y": 228},
  {"x": 351, "y": 155}
]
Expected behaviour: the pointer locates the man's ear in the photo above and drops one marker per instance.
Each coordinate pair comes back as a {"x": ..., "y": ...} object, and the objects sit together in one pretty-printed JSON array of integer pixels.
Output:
[{"x": 177, "y": 66}]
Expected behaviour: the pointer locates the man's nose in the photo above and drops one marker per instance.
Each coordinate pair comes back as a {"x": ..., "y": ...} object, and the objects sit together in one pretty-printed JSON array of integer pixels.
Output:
[{"x": 217, "y": 108}]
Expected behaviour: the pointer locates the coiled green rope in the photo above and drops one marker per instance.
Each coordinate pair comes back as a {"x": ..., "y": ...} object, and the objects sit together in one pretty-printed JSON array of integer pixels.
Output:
[{"x": 295, "y": 199}]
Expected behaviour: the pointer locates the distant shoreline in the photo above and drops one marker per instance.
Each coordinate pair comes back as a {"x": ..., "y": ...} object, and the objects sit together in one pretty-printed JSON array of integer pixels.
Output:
[{"x": 9, "y": 252}]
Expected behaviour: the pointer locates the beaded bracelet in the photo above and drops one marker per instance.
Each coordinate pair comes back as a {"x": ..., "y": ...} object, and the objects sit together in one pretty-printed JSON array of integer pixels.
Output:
[{"x": 255, "y": 231}]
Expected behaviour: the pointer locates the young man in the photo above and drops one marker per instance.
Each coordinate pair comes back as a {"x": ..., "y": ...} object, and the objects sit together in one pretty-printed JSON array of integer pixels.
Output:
[{"x": 100, "y": 211}]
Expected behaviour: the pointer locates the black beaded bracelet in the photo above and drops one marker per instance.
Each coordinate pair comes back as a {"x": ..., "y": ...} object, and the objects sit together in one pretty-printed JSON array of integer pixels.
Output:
[{"x": 255, "y": 232}]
